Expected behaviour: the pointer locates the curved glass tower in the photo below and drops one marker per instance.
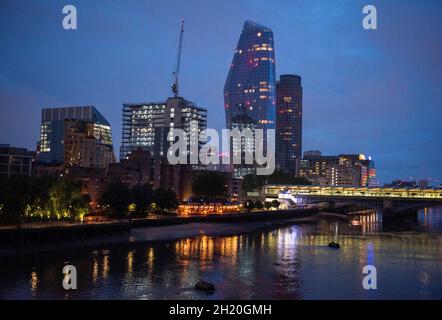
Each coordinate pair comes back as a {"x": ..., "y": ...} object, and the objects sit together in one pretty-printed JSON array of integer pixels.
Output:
[{"x": 250, "y": 86}]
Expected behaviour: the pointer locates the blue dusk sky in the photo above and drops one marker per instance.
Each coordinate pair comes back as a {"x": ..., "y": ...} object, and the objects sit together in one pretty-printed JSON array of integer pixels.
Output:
[{"x": 373, "y": 92}]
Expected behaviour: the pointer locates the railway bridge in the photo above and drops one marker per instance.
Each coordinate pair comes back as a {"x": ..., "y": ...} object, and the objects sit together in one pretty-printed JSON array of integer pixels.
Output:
[{"x": 387, "y": 200}]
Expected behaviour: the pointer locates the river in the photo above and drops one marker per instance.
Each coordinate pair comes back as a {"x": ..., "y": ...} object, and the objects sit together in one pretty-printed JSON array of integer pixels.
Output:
[{"x": 290, "y": 262}]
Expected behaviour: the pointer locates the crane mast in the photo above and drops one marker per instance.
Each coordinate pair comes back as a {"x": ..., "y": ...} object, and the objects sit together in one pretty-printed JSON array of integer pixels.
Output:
[{"x": 176, "y": 72}]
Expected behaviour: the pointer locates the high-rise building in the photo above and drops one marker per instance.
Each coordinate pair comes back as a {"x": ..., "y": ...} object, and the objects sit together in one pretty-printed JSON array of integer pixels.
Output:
[
  {"x": 146, "y": 126},
  {"x": 140, "y": 121},
  {"x": 288, "y": 123},
  {"x": 15, "y": 161},
  {"x": 53, "y": 130},
  {"x": 250, "y": 86}
]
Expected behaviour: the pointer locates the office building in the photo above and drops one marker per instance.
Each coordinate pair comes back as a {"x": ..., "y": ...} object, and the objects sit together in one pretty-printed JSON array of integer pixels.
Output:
[
  {"x": 54, "y": 128},
  {"x": 15, "y": 161},
  {"x": 83, "y": 149},
  {"x": 344, "y": 170},
  {"x": 147, "y": 126},
  {"x": 288, "y": 123}
]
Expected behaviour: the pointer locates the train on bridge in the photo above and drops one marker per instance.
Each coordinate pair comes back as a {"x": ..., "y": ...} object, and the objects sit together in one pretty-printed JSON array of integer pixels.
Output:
[{"x": 395, "y": 200}]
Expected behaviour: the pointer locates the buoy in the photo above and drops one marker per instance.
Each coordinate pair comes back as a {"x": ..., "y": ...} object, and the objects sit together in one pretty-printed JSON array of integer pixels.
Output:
[
  {"x": 334, "y": 245},
  {"x": 205, "y": 286}
]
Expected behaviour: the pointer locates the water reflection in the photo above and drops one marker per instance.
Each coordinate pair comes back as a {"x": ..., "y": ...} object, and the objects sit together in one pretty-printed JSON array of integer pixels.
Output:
[
  {"x": 106, "y": 267},
  {"x": 130, "y": 261},
  {"x": 95, "y": 270},
  {"x": 292, "y": 262},
  {"x": 368, "y": 221},
  {"x": 430, "y": 219},
  {"x": 34, "y": 283}
]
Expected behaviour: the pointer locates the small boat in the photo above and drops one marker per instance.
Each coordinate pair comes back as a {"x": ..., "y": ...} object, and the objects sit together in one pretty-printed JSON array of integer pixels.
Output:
[
  {"x": 205, "y": 286},
  {"x": 334, "y": 245}
]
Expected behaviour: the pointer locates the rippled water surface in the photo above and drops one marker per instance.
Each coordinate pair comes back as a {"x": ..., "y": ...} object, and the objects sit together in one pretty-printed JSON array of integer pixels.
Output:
[{"x": 291, "y": 262}]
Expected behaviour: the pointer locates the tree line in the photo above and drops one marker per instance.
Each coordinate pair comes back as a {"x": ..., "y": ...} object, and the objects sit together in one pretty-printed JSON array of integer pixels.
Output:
[
  {"x": 25, "y": 198},
  {"x": 254, "y": 183},
  {"x": 28, "y": 199},
  {"x": 120, "y": 200}
]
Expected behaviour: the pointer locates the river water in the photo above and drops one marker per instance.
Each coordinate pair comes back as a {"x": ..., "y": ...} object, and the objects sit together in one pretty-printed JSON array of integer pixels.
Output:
[{"x": 291, "y": 262}]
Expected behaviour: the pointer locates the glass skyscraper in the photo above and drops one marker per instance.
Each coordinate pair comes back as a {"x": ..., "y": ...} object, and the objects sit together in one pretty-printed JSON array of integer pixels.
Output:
[
  {"x": 289, "y": 123},
  {"x": 249, "y": 91}
]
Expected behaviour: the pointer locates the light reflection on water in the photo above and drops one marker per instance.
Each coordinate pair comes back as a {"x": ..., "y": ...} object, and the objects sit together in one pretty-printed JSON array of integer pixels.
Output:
[{"x": 291, "y": 262}]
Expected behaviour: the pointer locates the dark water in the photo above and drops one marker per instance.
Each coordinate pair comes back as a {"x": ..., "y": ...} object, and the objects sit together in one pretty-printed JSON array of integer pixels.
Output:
[{"x": 286, "y": 263}]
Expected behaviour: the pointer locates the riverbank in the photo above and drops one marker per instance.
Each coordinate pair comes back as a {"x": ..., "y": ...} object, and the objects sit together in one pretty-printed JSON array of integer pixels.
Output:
[
  {"x": 37, "y": 234},
  {"x": 167, "y": 233}
]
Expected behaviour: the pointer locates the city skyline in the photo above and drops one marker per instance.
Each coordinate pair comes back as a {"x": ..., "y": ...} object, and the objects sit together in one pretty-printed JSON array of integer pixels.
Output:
[
  {"x": 387, "y": 78},
  {"x": 239, "y": 155}
]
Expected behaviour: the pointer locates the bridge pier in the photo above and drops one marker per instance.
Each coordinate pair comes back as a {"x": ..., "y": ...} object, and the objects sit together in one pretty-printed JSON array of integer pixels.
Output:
[{"x": 392, "y": 221}]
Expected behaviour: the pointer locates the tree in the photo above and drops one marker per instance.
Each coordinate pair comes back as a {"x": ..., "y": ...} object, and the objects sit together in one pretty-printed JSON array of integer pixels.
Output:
[
  {"x": 39, "y": 192},
  {"x": 253, "y": 183},
  {"x": 275, "y": 204},
  {"x": 165, "y": 200},
  {"x": 66, "y": 200},
  {"x": 33, "y": 198},
  {"x": 281, "y": 177},
  {"x": 210, "y": 185},
  {"x": 142, "y": 196},
  {"x": 259, "y": 205},
  {"x": 14, "y": 198},
  {"x": 300, "y": 181},
  {"x": 116, "y": 197},
  {"x": 249, "y": 205}
]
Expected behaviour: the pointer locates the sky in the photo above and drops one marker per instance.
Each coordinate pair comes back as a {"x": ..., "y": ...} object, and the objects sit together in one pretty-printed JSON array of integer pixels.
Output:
[{"x": 376, "y": 92}]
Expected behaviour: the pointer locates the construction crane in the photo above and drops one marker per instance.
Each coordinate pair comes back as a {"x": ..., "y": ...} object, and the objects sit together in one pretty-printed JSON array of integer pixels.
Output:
[{"x": 176, "y": 71}]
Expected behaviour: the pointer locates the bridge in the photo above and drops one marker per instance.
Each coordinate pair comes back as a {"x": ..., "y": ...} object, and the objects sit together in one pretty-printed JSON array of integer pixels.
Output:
[{"x": 387, "y": 200}]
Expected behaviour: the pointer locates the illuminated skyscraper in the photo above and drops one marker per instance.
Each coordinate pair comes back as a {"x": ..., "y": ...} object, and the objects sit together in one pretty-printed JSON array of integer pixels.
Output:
[
  {"x": 250, "y": 86},
  {"x": 289, "y": 123},
  {"x": 147, "y": 125}
]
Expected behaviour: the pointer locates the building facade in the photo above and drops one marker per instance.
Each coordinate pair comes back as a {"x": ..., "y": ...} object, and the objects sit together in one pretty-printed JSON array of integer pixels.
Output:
[
  {"x": 83, "y": 149},
  {"x": 249, "y": 89},
  {"x": 139, "y": 168},
  {"x": 53, "y": 129},
  {"x": 288, "y": 123},
  {"x": 15, "y": 161},
  {"x": 148, "y": 126},
  {"x": 344, "y": 170}
]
